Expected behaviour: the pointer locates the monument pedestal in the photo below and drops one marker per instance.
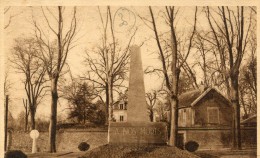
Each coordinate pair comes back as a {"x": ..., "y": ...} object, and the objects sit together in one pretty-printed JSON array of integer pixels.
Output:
[{"x": 137, "y": 133}]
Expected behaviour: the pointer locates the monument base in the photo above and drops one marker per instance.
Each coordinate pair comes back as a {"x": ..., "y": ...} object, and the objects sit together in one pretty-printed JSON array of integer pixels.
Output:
[{"x": 137, "y": 133}]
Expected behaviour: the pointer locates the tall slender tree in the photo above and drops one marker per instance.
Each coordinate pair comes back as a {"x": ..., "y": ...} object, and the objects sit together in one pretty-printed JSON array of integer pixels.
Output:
[
  {"x": 54, "y": 53},
  {"x": 230, "y": 30},
  {"x": 178, "y": 57}
]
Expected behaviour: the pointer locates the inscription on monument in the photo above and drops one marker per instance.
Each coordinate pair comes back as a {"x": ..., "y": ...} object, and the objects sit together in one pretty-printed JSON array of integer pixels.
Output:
[{"x": 139, "y": 131}]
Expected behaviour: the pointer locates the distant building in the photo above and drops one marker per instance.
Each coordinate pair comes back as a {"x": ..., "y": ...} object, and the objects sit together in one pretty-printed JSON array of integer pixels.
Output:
[
  {"x": 120, "y": 111},
  {"x": 250, "y": 121}
]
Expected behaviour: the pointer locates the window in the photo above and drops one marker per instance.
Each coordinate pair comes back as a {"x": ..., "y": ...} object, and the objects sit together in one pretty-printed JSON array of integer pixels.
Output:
[
  {"x": 213, "y": 115},
  {"x": 125, "y": 106},
  {"x": 121, "y": 106},
  {"x": 121, "y": 118},
  {"x": 182, "y": 117}
]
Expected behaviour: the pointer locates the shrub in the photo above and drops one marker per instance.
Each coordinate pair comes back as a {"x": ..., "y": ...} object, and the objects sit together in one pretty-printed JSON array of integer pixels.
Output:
[
  {"x": 42, "y": 125},
  {"x": 98, "y": 117},
  {"x": 191, "y": 146},
  {"x": 83, "y": 146},
  {"x": 15, "y": 154}
]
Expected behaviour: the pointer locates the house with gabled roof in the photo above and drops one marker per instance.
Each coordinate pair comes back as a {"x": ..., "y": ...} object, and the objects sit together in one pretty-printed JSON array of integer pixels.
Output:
[
  {"x": 207, "y": 108},
  {"x": 205, "y": 116}
]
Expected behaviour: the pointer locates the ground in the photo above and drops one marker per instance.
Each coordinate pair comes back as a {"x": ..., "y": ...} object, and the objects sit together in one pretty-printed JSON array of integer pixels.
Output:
[
  {"x": 227, "y": 153},
  {"x": 118, "y": 151},
  {"x": 108, "y": 151}
]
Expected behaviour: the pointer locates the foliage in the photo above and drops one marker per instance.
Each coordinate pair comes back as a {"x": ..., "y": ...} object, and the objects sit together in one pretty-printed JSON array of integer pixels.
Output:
[
  {"x": 98, "y": 117},
  {"x": 80, "y": 97},
  {"x": 191, "y": 146},
  {"x": 83, "y": 146},
  {"x": 42, "y": 125},
  {"x": 11, "y": 120},
  {"x": 15, "y": 154},
  {"x": 18, "y": 124}
]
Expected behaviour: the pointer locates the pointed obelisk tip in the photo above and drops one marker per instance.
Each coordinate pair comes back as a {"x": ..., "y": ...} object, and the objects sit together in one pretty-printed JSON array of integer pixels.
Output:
[{"x": 134, "y": 48}]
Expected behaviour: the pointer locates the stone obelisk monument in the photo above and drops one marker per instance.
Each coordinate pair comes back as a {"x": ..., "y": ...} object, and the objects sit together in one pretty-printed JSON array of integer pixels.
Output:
[
  {"x": 138, "y": 129},
  {"x": 137, "y": 107}
]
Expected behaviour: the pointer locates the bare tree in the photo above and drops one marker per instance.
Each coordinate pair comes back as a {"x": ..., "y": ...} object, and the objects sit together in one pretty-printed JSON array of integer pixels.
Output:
[
  {"x": 7, "y": 82},
  {"x": 6, "y": 11},
  {"x": 26, "y": 62},
  {"x": 248, "y": 87},
  {"x": 54, "y": 54},
  {"x": 151, "y": 98},
  {"x": 230, "y": 32},
  {"x": 108, "y": 69},
  {"x": 178, "y": 58},
  {"x": 10, "y": 16}
]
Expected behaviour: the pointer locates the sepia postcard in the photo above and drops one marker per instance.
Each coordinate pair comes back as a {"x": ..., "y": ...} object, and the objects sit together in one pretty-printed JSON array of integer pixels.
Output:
[{"x": 129, "y": 79}]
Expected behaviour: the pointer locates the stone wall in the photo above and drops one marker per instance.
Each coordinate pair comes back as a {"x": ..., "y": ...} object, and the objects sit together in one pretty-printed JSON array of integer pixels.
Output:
[
  {"x": 66, "y": 140},
  {"x": 219, "y": 138}
]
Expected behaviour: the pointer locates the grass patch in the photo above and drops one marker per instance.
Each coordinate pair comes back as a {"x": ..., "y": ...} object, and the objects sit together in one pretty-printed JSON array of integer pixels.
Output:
[{"x": 130, "y": 151}]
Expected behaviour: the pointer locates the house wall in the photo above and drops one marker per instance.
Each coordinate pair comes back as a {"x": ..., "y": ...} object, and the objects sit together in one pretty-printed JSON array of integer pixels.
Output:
[
  {"x": 185, "y": 117},
  {"x": 212, "y": 99},
  {"x": 118, "y": 113}
]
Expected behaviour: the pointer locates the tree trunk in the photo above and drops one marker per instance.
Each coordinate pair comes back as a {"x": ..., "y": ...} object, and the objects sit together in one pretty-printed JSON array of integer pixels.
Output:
[
  {"x": 174, "y": 88},
  {"x": 32, "y": 119},
  {"x": 26, "y": 117},
  {"x": 6, "y": 121},
  {"x": 26, "y": 123},
  {"x": 174, "y": 109},
  {"x": 151, "y": 115},
  {"x": 110, "y": 92},
  {"x": 236, "y": 114},
  {"x": 107, "y": 104},
  {"x": 173, "y": 128},
  {"x": 53, "y": 119}
]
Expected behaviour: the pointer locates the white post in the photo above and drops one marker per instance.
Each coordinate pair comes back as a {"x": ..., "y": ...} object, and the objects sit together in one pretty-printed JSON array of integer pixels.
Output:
[
  {"x": 34, "y": 135},
  {"x": 34, "y": 145}
]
